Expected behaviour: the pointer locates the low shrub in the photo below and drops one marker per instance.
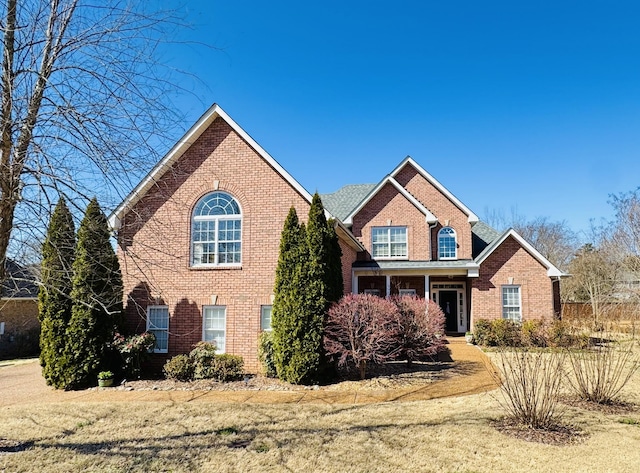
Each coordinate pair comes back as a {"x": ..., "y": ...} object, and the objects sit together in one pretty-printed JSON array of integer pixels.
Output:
[
  {"x": 203, "y": 356},
  {"x": 180, "y": 368},
  {"x": 482, "y": 332},
  {"x": 265, "y": 354},
  {"x": 208, "y": 365},
  {"x": 497, "y": 332},
  {"x": 227, "y": 368},
  {"x": 533, "y": 333}
]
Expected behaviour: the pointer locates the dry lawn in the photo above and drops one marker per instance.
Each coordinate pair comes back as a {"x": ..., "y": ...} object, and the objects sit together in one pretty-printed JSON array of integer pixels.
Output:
[{"x": 442, "y": 435}]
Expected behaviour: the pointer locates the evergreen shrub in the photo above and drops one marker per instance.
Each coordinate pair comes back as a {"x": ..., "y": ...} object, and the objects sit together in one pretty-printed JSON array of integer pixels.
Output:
[{"x": 179, "y": 367}]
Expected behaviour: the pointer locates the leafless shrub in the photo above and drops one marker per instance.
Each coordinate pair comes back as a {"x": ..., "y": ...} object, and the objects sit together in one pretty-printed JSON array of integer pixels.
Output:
[
  {"x": 598, "y": 374},
  {"x": 531, "y": 383}
]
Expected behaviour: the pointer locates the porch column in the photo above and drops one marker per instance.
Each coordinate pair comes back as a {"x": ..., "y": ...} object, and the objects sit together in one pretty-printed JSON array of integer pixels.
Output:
[
  {"x": 427, "y": 289},
  {"x": 388, "y": 285},
  {"x": 354, "y": 282}
]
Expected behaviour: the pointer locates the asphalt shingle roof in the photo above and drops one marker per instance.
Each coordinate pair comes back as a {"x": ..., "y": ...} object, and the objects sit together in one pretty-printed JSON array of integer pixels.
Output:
[
  {"x": 343, "y": 201},
  {"x": 20, "y": 282},
  {"x": 481, "y": 236}
]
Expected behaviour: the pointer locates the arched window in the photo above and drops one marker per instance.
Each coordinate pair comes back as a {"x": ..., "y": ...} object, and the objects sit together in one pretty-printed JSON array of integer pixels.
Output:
[
  {"x": 447, "y": 245},
  {"x": 216, "y": 231}
]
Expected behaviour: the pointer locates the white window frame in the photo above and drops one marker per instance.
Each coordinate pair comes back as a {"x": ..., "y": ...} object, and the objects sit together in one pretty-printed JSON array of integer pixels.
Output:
[
  {"x": 158, "y": 329},
  {"x": 205, "y": 336},
  {"x": 406, "y": 292},
  {"x": 216, "y": 220},
  {"x": 389, "y": 243},
  {"x": 507, "y": 305},
  {"x": 372, "y": 292},
  {"x": 448, "y": 233},
  {"x": 263, "y": 325}
]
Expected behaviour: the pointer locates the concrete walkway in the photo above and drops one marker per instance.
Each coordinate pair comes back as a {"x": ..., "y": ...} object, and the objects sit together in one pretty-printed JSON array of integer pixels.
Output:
[{"x": 22, "y": 383}]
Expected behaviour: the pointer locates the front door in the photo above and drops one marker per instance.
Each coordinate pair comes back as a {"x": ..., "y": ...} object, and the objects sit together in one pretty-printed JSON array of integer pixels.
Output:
[{"x": 448, "y": 301}]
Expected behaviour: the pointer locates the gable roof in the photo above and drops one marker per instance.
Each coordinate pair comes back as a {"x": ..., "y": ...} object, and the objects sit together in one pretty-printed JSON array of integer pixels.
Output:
[
  {"x": 182, "y": 146},
  {"x": 430, "y": 218},
  {"x": 481, "y": 236},
  {"x": 344, "y": 200},
  {"x": 472, "y": 218},
  {"x": 552, "y": 271}
]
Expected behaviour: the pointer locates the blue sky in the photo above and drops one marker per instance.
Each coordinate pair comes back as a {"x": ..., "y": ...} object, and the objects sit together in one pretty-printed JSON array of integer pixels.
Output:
[{"x": 525, "y": 106}]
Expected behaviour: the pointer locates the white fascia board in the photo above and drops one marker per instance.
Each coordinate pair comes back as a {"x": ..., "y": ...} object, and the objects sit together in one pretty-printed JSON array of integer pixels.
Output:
[
  {"x": 471, "y": 217},
  {"x": 552, "y": 271},
  {"x": 430, "y": 218},
  {"x": 351, "y": 240},
  {"x": 182, "y": 146}
]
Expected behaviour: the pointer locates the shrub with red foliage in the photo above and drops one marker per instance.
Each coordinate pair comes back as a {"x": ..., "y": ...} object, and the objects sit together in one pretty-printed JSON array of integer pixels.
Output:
[
  {"x": 362, "y": 328},
  {"x": 420, "y": 328}
]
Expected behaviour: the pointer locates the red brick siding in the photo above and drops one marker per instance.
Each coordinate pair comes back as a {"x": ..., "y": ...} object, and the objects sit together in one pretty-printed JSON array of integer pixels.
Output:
[
  {"x": 348, "y": 257},
  {"x": 389, "y": 205},
  {"x": 510, "y": 260},
  {"x": 155, "y": 243},
  {"x": 440, "y": 206}
]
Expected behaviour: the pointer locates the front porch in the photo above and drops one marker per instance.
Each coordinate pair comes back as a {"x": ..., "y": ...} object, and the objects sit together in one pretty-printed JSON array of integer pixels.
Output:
[{"x": 445, "y": 283}]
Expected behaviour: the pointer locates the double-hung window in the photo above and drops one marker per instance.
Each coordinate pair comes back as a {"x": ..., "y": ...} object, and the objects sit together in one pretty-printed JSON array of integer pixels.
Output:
[
  {"x": 389, "y": 242},
  {"x": 511, "y": 303},
  {"x": 216, "y": 236},
  {"x": 214, "y": 326},
  {"x": 158, "y": 324},
  {"x": 447, "y": 245}
]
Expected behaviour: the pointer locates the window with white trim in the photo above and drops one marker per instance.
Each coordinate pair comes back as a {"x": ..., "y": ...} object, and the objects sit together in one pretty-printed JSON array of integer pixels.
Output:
[
  {"x": 265, "y": 317},
  {"x": 214, "y": 326},
  {"x": 158, "y": 324},
  {"x": 407, "y": 292},
  {"x": 447, "y": 244},
  {"x": 511, "y": 303},
  {"x": 389, "y": 242},
  {"x": 216, "y": 235}
]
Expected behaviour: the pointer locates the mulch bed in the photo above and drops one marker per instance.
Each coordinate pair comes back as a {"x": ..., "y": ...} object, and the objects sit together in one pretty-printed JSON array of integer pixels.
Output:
[
  {"x": 393, "y": 375},
  {"x": 558, "y": 434},
  {"x": 613, "y": 408}
]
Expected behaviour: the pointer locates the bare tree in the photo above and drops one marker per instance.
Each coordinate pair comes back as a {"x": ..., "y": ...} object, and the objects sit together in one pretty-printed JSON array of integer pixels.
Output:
[
  {"x": 594, "y": 279},
  {"x": 624, "y": 242},
  {"x": 84, "y": 105},
  {"x": 556, "y": 241}
]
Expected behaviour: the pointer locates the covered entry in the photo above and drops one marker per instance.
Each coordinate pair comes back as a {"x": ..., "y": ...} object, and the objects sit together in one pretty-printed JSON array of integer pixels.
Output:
[{"x": 451, "y": 299}]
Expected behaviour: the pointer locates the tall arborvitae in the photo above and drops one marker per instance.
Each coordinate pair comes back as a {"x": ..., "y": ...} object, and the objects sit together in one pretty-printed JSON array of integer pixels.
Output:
[
  {"x": 288, "y": 314},
  {"x": 97, "y": 299},
  {"x": 54, "y": 297},
  {"x": 308, "y": 280}
]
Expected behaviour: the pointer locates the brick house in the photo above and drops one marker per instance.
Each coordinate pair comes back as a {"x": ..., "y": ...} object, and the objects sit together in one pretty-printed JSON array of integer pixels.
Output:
[
  {"x": 19, "y": 324},
  {"x": 198, "y": 242}
]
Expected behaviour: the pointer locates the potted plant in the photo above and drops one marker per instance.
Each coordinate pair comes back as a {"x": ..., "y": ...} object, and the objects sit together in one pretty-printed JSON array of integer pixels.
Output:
[
  {"x": 105, "y": 379},
  {"x": 468, "y": 336}
]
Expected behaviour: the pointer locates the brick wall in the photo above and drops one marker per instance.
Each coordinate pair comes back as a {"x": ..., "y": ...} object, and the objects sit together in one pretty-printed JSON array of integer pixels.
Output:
[
  {"x": 154, "y": 243},
  {"x": 510, "y": 260},
  {"x": 390, "y": 208},
  {"x": 440, "y": 206}
]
